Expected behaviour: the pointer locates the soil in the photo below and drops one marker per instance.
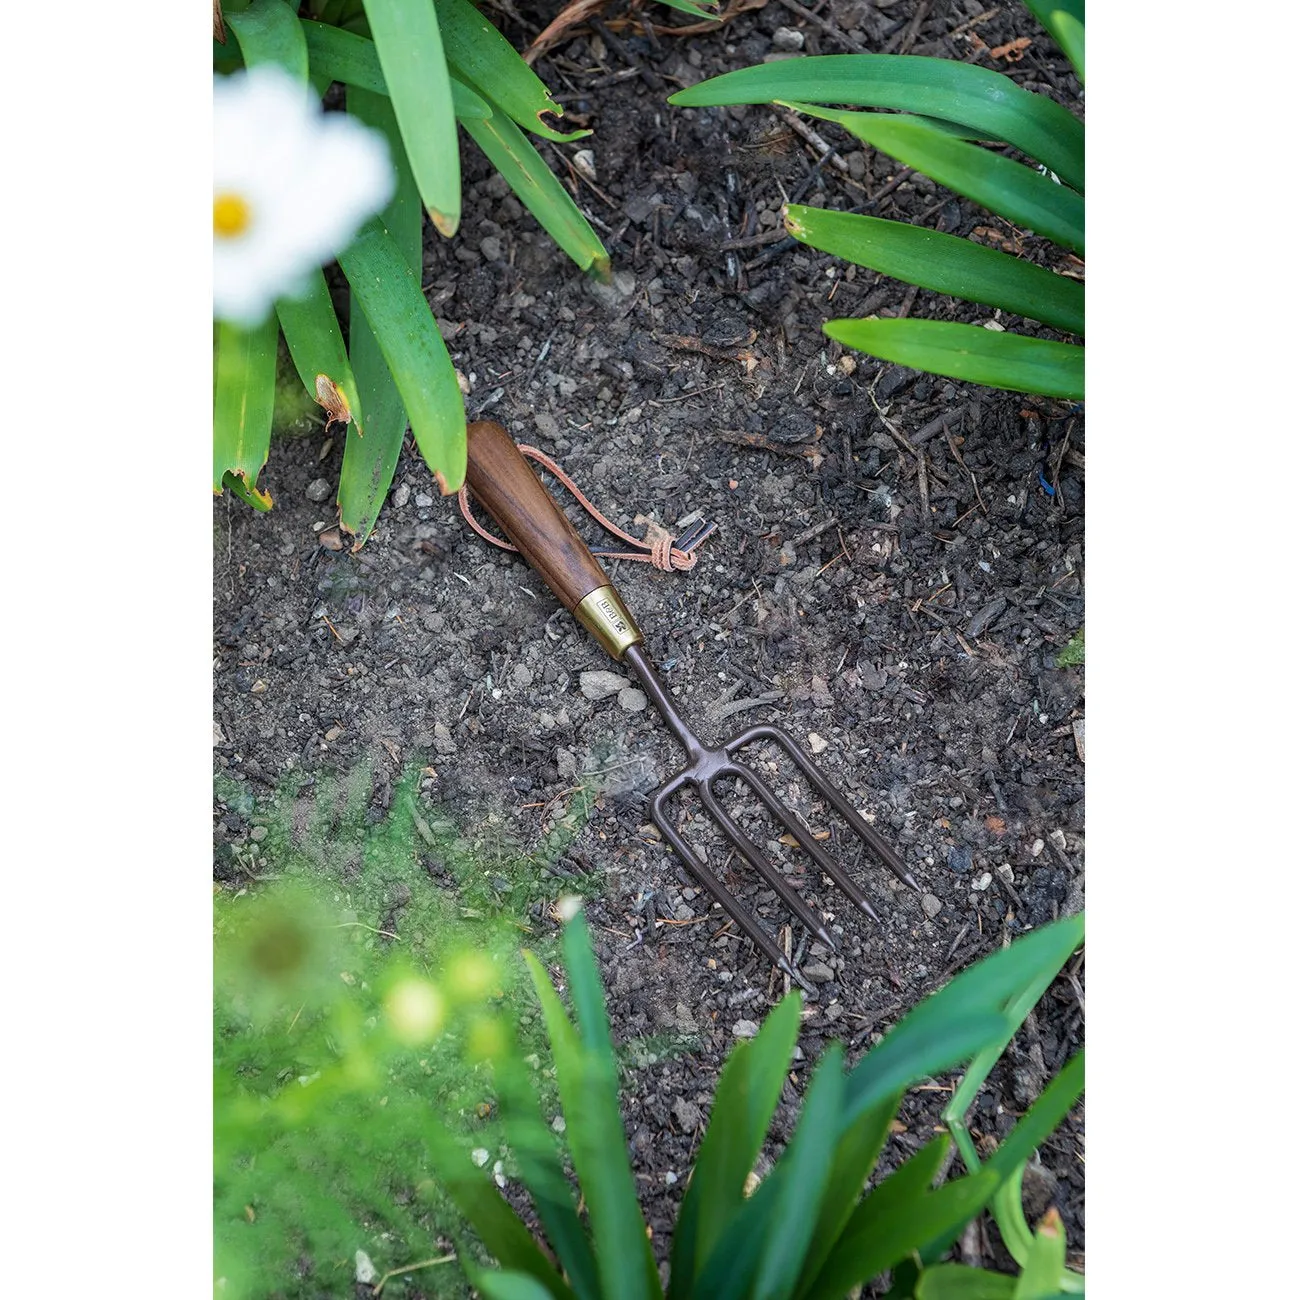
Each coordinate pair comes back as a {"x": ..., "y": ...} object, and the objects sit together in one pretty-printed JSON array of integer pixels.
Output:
[{"x": 893, "y": 584}]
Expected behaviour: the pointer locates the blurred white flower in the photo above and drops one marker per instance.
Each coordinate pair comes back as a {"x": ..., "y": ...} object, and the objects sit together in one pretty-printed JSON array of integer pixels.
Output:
[{"x": 291, "y": 185}]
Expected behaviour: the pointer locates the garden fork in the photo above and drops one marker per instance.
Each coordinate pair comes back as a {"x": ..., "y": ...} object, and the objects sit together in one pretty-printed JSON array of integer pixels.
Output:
[{"x": 513, "y": 494}]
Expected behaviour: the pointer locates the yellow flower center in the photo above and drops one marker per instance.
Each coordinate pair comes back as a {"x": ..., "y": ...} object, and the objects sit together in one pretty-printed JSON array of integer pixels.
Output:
[{"x": 231, "y": 216}]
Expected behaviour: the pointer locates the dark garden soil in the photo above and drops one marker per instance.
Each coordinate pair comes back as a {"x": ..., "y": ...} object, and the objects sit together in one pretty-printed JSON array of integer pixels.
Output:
[{"x": 898, "y": 563}]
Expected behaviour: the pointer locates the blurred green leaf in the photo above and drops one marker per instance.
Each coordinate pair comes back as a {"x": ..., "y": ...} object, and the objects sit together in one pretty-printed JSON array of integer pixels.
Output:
[
  {"x": 481, "y": 56},
  {"x": 512, "y": 154},
  {"x": 243, "y": 403},
  {"x": 352, "y": 60},
  {"x": 969, "y": 352},
  {"x": 1063, "y": 19},
  {"x": 1072, "y": 655},
  {"x": 1040, "y": 1276},
  {"x": 588, "y": 1083},
  {"x": 943, "y": 263},
  {"x": 959, "y": 1282},
  {"x": 703, "y": 9},
  {"x": 950, "y": 1026},
  {"x": 806, "y": 1169},
  {"x": 311, "y": 329},
  {"x": 370, "y": 462},
  {"x": 269, "y": 32},
  {"x": 393, "y": 303},
  {"x": 743, "y": 1104},
  {"x": 957, "y": 92},
  {"x": 409, "y": 44},
  {"x": 497, "y": 1284},
  {"x": 1023, "y": 196}
]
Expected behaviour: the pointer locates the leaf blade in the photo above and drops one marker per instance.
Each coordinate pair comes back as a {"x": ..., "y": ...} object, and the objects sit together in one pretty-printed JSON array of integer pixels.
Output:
[
  {"x": 409, "y": 45},
  {"x": 390, "y": 296},
  {"x": 943, "y": 263},
  {"x": 311, "y": 329},
  {"x": 269, "y": 32},
  {"x": 1063, "y": 20},
  {"x": 956, "y": 92},
  {"x": 969, "y": 352},
  {"x": 242, "y": 409}
]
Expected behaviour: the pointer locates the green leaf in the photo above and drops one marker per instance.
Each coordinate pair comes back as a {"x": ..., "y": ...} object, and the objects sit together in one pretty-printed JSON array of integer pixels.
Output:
[
  {"x": 957, "y": 92},
  {"x": 588, "y": 1085},
  {"x": 806, "y": 1168},
  {"x": 964, "y": 1016},
  {"x": 1072, "y": 655},
  {"x": 390, "y": 296},
  {"x": 959, "y": 1282},
  {"x": 352, "y": 60},
  {"x": 969, "y": 352},
  {"x": 311, "y": 329},
  {"x": 1023, "y": 196},
  {"x": 707, "y": 9},
  {"x": 370, "y": 462},
  {"x": 943, "y": 263},
  {"x": 481, "y": 56},
  {"x": 1040, "y": 1276},
  {"x": 746, "y": 1097},
  {"x": 584, "y": 988},
  {"x": 512, "y": 154},
  {"x": 856, "y": 1153},
  {"x": 1064, "y": 20},
  {"x": 909, "y": 1182},
  {"x": 496, "y": 1285},
  {"x": 243, "y": 403},
  {"x": 269, "y": 32},
  {"x": 409, "y": 45},
  {"x": 875, "y": 1240}
]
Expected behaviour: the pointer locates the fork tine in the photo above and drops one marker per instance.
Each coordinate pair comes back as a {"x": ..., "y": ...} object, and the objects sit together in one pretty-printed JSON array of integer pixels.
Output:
[
  {"x": 728, "y": 901},
  {"x": 759, "y": 861},
  {"x": 806, "y": 841},
  {"x": 821, "y": 783}
]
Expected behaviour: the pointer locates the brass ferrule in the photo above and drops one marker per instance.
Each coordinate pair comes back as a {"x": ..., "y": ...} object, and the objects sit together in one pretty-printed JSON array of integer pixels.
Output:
[{"x": 605, "y": 616}]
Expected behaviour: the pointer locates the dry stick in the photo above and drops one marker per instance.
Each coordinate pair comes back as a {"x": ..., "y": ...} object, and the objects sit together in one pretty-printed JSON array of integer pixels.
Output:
[
  {"x": 910, "y": 33},
  {"x": 800, "y": 127},
  {"x": 829, "y": 28}
]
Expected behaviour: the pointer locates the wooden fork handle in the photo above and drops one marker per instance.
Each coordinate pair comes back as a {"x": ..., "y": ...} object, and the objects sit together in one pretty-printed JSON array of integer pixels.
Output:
[{"x": 504, "y": 482}]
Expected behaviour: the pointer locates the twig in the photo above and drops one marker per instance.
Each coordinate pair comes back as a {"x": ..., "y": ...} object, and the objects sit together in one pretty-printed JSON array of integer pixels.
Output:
[
  {"x": 830, "y": 29},
  {"x": 410, "y": 1268}
]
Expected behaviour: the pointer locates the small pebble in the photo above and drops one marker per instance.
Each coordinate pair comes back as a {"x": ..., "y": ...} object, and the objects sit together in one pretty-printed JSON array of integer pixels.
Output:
[
  {"x": 931, "y": 905},
  {"x": 1036, "y": 848},
  {"x": 669, "y": 1178},
  {"x": 490, "y": 247},
  {"x": 479, "y": 1156},
  {"x": 745, "y": 1028},
  {"x": 959, "y": 858},
  {"x": 522, "y": 675},
  {"x": 318, "y": 489},
  {"x": 980, "y": 885},
  {"x": 631, "y": 699},
  {"x": 331, "y": 539},
  {"x": 819, "y": 972},
  {"x": 423, "y": 500},
  {"x": 366, "y": 1271},
  {"x": 258, "y": 833},
  {"x": 558, "y": 1124},
  {"x": 584, "y": 163},
  {"x": 787, "y": 38},
  {"x": 1006, "y": 874},
  {"x": 401, "y": 494},
  {"x": 600, "y": 683},
  {"x": 815, "y": 742}
]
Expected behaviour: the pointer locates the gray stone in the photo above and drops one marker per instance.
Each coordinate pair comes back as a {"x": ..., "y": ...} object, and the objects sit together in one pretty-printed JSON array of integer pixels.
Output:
[
  {"x": 818, "y": 971},
  {"x": 318, "y": 489},
  {"x": 401, "y": 494},
  {"x": 931, "y": 905},
  {"x": 600, "y": 683},
  {"x": 687, "y": 1114},
  {"x": 631, "y": 699},
  {"x": 959, "y": 858},
  {"x": 490, "y": 247},
  {"x": 423, "y": 500},
  {"x": 787, "y": 38},
  {"x": 745, "y": 1028}
]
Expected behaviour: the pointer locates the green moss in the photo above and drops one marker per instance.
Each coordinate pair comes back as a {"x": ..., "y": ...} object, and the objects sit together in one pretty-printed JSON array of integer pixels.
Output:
[{"x": 1072, "y": 655}]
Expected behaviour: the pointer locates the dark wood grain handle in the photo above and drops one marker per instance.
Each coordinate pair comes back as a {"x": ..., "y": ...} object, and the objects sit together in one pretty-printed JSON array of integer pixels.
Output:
[{"x": 514, "y": 496}]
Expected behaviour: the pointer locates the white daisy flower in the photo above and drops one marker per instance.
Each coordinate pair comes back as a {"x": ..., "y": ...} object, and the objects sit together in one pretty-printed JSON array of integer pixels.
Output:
[{"x": 291, "y": 185}]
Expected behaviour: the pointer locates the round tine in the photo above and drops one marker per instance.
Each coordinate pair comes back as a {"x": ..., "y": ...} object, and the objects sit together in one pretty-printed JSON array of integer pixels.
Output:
[
  {"x": 806, "y": 841},
  {"x": 818, "y": 779},
  {"x": 729, "y": 903},
  {"x": 758, "y": 860}
]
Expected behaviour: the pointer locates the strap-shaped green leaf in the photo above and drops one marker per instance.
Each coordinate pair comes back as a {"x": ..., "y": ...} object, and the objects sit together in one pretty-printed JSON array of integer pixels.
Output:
[
  {"x": 943, "y": 263},
  {"x": 345, "y": 57},
  {"x": 1023, "y": 196},
  {"x": 269, "y": 32},
  {"x": 514, "y": 156},
  {"x": 703, "y": 9},
  {"x": 969, "y": 352},
  {"x": 960, "y": 1282},
  {"x": 409, "y": 45},
  {"x": 242, "y": 408},
  {"x": 499, "y": 1285},
  {"x": 588, "y": 1085},
  {"x": 584, "y": 988},
  {"x": 481, "y": 56},
  {"x": 390, "y": 295},
  {"x": 806, "y": 1169},
  {"x": 743, "y": 1104},
  {"x": 963, "y": 1017},
  {"x": 1040, "y": 1275},
  {"x": 1064, "y": 20},
  {"x": 370, "y": 462},
  {"x": 973, "y": 97},
  {"x": 311, "y": 329}
]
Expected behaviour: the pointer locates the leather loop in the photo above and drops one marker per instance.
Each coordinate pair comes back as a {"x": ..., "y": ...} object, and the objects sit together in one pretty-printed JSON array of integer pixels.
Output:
[{"x": 664, "y": 553}]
